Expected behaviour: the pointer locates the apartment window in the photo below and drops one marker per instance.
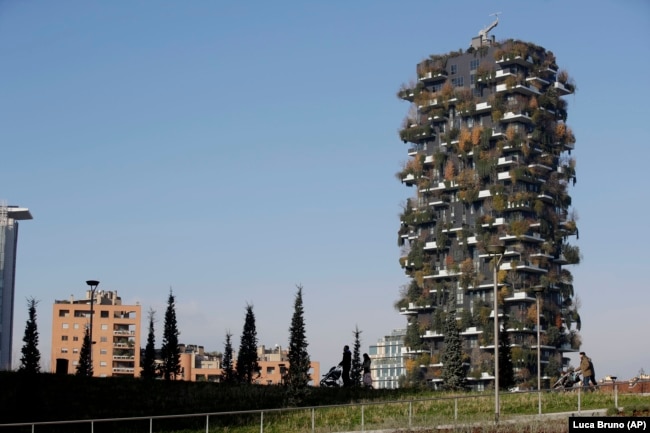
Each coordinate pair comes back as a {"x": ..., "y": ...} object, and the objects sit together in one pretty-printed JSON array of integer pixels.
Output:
[
  {"x": 65, "y": 325},
  {"x": 472, "y": 79},
  {"x": 454, "y": 69},
  {"x": 64, "y": 313},
  {"x": 103, "y": 352},
  {"x": 457, "y": 82},
  {"x": 64, "y": 350},
  {"x": 75, "y": 338},
  {"x": 104, "y": 314},
  {"x": 104, "y": 327},
  {"x": 473, "y": 65},
  {"x": 470, "y": 122},
  {"x": 436, "y": 87},
  {"x": 64, "y": 338},
  {"x": 103, "y": 339},
  {"x": 75, "y": 350},
  {"x": 270, "y": 370},
  {"x": 102, "y": 364},
  {"x": 75, "y": 326}
]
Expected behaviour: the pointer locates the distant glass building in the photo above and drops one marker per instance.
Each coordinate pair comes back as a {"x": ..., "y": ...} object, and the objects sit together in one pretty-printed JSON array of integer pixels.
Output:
[
  {"x": 388, "y": 358},
  {"x": 9, "y": 217}
]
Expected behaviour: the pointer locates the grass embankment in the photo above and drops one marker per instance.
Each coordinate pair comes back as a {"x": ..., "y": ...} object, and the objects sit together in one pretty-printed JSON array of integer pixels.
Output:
[{"x": 48, "y": 397}]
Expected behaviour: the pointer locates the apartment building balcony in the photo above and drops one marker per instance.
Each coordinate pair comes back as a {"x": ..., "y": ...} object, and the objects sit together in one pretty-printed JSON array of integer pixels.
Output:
[
  {"x": 442, "y": 273},
  {"x": 501, "y": 74},
  {"x": 123, "y": 357},
  {"x": 123, "y": 370},
  {"x": 519, "y": 297},
  {"x": 508, "y": 160},
  {"x": 520, "y": 88},
  {"x": 483, "y": 107},
  {"x": 433, "y": 77},
  {"x": 431, "y": 103},
  {"x": 123, "y": 332},
  {"x": 538, "y": 80},
  {"x": 523, "y": 266},
  {"x": 431, "y": 335},
  {"x": 431, "y": 246},
  {"x": 415, "y": 309},
  {"x": 563, "y": 89},
  {"x": 471, "y": 331},
  {"x": 515, "y": 60},
  {"x": 516, "y": 117}
]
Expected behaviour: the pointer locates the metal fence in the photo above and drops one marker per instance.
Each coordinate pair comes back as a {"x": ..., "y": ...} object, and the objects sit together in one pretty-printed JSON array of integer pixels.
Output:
[{"x": 404, "y": 414}]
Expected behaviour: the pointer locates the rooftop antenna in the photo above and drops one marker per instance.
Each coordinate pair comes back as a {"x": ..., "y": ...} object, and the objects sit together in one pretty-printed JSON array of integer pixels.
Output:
[{"x": 483, "y": 34}]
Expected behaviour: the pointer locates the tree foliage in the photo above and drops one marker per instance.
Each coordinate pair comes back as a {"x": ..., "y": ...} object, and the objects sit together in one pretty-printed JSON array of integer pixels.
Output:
[
  {"x": 149, "y": 359},
  {"x": 30, "y": 362},
  {"x": 453, "y": 371},
  {"x": 247, "y": 366},
  {"x": 85, "y": 365},
  {"x": 506, "y": 369},
  {"x": 299, "y": 362},
  {"x": 227, "y": 370},
  {"x": 170, "y": 352},
  {"x": 356, "y": 372}
]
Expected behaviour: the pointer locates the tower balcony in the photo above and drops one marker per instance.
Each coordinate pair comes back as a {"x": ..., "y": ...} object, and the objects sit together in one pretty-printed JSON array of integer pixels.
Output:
[
  {"x": 515, "y": 60},
  {"x": 432, "y": 335},
  {"x": 516, "y": 117},
  {"x": 563, "y": 89},
  {"x": 538, "y": 80},
  {"x": 483, "y": 107},
  {"x": 519, "y": 88},
  {"x": 433, "y": 77}
]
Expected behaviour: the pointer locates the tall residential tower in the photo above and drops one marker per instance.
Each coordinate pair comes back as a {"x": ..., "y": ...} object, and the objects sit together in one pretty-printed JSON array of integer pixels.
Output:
[
  {"x": 9, "y": 217},
  {"x": 489, "y": 164}
]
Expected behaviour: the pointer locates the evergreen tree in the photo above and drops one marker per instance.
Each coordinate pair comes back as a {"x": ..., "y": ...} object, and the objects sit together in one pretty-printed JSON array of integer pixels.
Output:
[
  {"x": 85, "y": 365},
  {"x": 247, "y": 366},
  {"x": 149, "y": 358},
  {"x": 453, "y": 371},
  {"x": 299, "y": 362},
  {"x": 227, "y": 370},
  {"x": 356, "y": 372},
  {"x": 30, "y": 362},
  {"x": 170, "y": 352},
  {"x": 506, "y": 370}
]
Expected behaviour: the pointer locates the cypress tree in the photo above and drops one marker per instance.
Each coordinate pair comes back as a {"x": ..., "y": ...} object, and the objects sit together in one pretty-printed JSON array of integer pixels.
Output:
[
  {"x": 247, "y": 366},
  {"x": 85, "y": 365},
  {"x": 170, "y": 352},
  {"x": 149, "y": 359},
  {"x": 453, "y": 371},
  {"x": 299, "y": 362},
  {"x": 229, "y": 374},
  {"x": 30, "y": 362},
  {"x": 356, "y": 371}
]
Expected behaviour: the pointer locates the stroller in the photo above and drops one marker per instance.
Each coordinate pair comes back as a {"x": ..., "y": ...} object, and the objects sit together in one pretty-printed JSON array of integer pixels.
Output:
[
  {"x": 567, "y": 380},
  {"x": 333, "y": 378}
]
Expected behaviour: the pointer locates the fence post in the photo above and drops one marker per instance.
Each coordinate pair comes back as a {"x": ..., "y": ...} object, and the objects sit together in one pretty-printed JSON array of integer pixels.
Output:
[
  {"x": 363, "y": 425},
  {"x": 579, "y": 395},
  {"x": 207, "y": 424},
  {"x": 410, "y": 413},
  {"x": 615, "y": 394},
  {"x": 455, "y": 408},
  {"x": 261, "y": 421},
  {"x": 313, "y": 424}
]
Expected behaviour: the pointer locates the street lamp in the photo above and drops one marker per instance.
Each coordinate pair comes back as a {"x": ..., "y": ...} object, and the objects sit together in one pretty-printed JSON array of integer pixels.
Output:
[
  {"x": 496, "y": 251},
  {"x": 93, "y": 286},
  {"x": 539, "y": 290}
]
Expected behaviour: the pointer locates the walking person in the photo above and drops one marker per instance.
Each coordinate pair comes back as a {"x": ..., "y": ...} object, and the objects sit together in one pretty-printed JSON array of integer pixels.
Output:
[
  {"x": 346, "y": 364},
  {"x": 367, "y": 377},
  {"x": 587, "y": 370}
]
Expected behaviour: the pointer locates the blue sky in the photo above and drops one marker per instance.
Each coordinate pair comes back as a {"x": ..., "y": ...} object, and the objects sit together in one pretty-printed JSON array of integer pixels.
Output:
[{"x": 231, "y": 150}]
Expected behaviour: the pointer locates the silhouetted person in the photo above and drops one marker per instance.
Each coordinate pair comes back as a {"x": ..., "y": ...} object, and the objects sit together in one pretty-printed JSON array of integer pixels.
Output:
[{"x": 346, "y": 364}]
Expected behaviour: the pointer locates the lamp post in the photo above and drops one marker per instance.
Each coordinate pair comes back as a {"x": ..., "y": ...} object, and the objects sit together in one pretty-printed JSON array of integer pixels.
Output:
[
  {"x": 538, "y": 294},
  {"x": 93, "y": 286},
  {"x": 496, "y": 251}
]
